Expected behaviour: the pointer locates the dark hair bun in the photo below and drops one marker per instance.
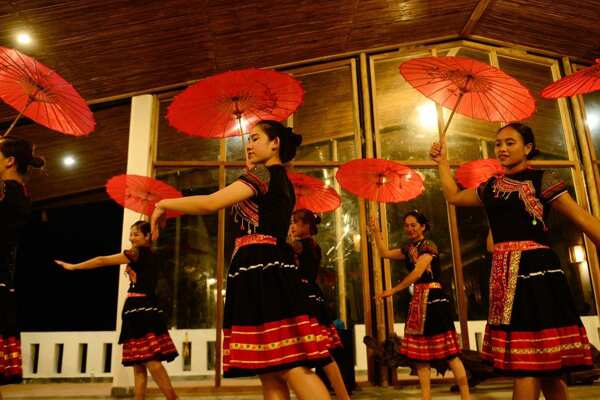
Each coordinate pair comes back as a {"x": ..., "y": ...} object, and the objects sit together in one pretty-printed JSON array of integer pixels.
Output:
[
  {"x": 289, "y": 140},
  {"x": 296, "y": 139},
  {"x": 37, "y": 162},
  {"x": 533, "y": 153}
]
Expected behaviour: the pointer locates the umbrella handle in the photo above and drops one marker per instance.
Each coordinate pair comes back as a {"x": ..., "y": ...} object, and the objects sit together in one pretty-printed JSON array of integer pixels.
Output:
[
  {"x": 238, "y": 117},
  {"x": 10, "y": 128},
  {"x": 443, "y": 133}
]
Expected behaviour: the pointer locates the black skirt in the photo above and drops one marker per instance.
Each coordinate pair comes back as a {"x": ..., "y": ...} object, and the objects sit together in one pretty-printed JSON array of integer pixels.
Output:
[
  {"x": 544, "y": 335},
  {"x": 436, "y": 340},
  {"x": 269, "y": 324},
  {"x": 10, "y": 339},
  {"x": 144, "y": 334},
  {"x": 319, "y": 309}
]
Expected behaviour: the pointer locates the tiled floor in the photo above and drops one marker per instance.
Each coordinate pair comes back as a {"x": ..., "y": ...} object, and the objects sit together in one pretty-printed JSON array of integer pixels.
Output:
[{"x": 96, "y": 391}]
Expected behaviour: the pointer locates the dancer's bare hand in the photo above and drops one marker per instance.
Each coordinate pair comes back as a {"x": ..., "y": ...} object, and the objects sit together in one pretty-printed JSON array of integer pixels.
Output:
[
  {"x": 131, "y": 274},
  {"x": 384, "y": 294},
  {"x": 157, "y": 221},
  {"x": 66, "y": 265},
  {"x": 373, "y": 225},
  {"x": 437, "y": 153}
]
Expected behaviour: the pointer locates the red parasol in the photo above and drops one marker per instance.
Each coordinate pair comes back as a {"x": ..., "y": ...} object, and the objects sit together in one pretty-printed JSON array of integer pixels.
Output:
[
  {"x": 469, "y": 87},
  {"x": 42, "y": 95},
  {"x": 581, "y": 82},
  {"x": 473, "y": 173},
  {"x": 141, "y": 193},
  {"x": 219, "y": 106},
  {"x": 380, "y": 180},
  {"x": 313, "y": 194}
]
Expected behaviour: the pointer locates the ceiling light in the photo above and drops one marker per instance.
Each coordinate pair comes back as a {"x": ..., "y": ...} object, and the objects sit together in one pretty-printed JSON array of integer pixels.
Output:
[
  {"x": 24, "y": 38},
  {"x": 69, "y": 161}
]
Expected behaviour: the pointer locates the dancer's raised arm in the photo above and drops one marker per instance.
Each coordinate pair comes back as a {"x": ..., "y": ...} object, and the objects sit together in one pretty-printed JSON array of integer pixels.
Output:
[
  {"x": 452, "y": 192},
  {"x": 384, "y": 251}
]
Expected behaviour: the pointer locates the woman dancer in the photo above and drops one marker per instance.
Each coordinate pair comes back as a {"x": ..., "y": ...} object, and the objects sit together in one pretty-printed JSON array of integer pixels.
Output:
[
  {"x": 533, "y": 332},
  {"x": 308, "y": 252},
  {"x": 429, "y": 334},
  {"x": 144, "y": 335},
  {"x": 268, "y": 326},
  {"x": 16, "y": 157}
]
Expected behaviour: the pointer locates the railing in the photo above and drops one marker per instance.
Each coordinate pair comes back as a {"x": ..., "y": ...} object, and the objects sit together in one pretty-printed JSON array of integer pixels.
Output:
[{"x": 89, "y": 354}]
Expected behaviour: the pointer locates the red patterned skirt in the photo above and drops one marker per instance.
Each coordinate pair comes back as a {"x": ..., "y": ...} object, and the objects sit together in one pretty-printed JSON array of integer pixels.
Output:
[
  {"x": 269, "y": 324},
  {"x": 429, "y": 331},
  {"x": 533, "y": 327},
  {"x": 144, "y": 334},
  {"x": 10, "y": 345}
]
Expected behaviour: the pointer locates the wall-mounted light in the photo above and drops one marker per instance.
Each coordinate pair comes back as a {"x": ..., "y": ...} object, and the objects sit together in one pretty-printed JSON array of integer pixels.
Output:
[{"x": 576, "y": 253}]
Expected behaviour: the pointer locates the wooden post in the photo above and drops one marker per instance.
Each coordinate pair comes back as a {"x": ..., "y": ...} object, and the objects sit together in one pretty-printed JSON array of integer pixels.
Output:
[
  {"x": 220, "y": 272},
  {"x": 456, "y": 258}
]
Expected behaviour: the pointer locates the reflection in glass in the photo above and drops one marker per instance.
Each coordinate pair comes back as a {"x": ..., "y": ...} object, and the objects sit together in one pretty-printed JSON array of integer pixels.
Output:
[
  {"x": 189, "y": 247},
  {"x": 339, "y": 238}
]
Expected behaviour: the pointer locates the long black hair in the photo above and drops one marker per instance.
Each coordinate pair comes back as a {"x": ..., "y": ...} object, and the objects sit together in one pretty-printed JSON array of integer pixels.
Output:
[{"x": 289, "y": 141}]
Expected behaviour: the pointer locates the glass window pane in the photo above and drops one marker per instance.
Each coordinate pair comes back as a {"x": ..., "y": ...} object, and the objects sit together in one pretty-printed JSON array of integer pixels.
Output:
[
  {"x": 565, "y": 239},
  {"x": 189, "y": 246},
  {"x": 339, "y": 238},
  {"x": 546, "y": 122},
  {"x": 327, "y": 112},
  {"x": 592, "y": 119},
  {"x": 432, "y": 204},
  {"x": 407, "y": 121},
  {"x": 176, "y": 146}
]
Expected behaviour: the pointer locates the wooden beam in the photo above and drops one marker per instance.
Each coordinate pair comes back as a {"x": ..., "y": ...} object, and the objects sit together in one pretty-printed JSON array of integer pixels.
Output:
[{"x": 474, "y": 18}]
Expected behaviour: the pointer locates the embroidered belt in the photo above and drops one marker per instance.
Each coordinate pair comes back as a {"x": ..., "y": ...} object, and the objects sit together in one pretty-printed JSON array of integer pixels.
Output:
[
  {"x": 255, "y": 238},
  {"x": 132, "y": 294},
  {"x": 417, "y": 311},
  {"x": 503, "y": 278}
]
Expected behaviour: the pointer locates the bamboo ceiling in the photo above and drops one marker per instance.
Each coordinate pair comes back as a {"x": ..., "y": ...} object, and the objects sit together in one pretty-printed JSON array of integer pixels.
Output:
[{"x": 113, "y": 47}]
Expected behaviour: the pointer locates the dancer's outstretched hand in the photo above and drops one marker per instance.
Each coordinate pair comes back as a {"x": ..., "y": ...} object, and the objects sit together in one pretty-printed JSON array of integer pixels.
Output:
[
  {"x": 66, "y": 265},
  {"x": 384, "y": 294},
  {"x": 438, "y": 152},
  {"x": 158, "y": 220}
]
